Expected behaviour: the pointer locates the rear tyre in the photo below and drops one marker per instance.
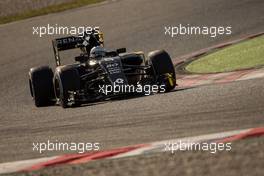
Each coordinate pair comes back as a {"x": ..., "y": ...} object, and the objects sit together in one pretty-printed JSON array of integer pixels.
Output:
[
  {"x": 163, "y": 69},
  {"x": 66, "y": 79},
  {"x": 41, "y": 86}
]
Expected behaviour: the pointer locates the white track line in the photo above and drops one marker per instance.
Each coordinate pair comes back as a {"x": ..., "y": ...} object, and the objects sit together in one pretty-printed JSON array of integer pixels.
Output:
[
  {"x": 154, "y": 147},
  {"x": 19, "y": 165},
  {"x": 160, "y": 146},
  {"x": 259, "y": 73}
]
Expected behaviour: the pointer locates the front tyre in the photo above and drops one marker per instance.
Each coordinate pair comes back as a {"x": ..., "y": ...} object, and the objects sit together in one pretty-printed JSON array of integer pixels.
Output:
[
  {"x": 163, "y": 69},
  {"x": 66, "y": 80},
  {"x": 41, "y": 85}
]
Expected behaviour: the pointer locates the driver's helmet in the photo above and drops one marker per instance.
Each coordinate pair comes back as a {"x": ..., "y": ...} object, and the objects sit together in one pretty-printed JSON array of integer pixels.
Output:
[{"x": 97, "y": 52}]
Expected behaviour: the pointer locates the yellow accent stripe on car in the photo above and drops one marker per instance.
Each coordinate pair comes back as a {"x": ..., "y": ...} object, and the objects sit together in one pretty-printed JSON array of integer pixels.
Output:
[{"x": 170, "y": 78}]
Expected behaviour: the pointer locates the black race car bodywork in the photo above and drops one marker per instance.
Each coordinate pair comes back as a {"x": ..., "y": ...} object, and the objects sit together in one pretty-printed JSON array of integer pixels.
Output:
[{"x": 86, "y": 79}]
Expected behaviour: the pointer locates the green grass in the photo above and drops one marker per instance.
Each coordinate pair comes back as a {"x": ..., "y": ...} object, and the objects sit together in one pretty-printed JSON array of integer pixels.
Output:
[
  {"x": 244, "y": 55},
  {"x": 46, "y": 10}
]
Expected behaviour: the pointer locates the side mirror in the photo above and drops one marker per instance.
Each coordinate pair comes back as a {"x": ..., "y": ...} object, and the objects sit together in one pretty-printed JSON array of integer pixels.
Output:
[{"x": 121, "y": 50}]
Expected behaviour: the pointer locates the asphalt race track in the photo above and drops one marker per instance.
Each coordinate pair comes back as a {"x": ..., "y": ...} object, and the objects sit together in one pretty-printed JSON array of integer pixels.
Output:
[{"x": 137, "y": 25}]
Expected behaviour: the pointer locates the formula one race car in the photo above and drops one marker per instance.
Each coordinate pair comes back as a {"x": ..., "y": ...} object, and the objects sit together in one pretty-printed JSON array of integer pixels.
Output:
[{"x": 98, "y": 74}]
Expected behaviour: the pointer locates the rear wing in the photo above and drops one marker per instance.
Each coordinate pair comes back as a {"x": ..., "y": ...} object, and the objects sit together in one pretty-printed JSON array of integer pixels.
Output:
[
  {"x": 65, "y": 43},
  {"x": 73, "y": 42}
]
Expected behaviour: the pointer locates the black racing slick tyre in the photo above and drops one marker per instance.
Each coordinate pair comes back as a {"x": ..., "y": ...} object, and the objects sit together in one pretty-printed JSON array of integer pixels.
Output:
[
  {"x": 163, "y": 68},
  {"x": 41, "y": 86},
  {"x": 66, "y": 79}
]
